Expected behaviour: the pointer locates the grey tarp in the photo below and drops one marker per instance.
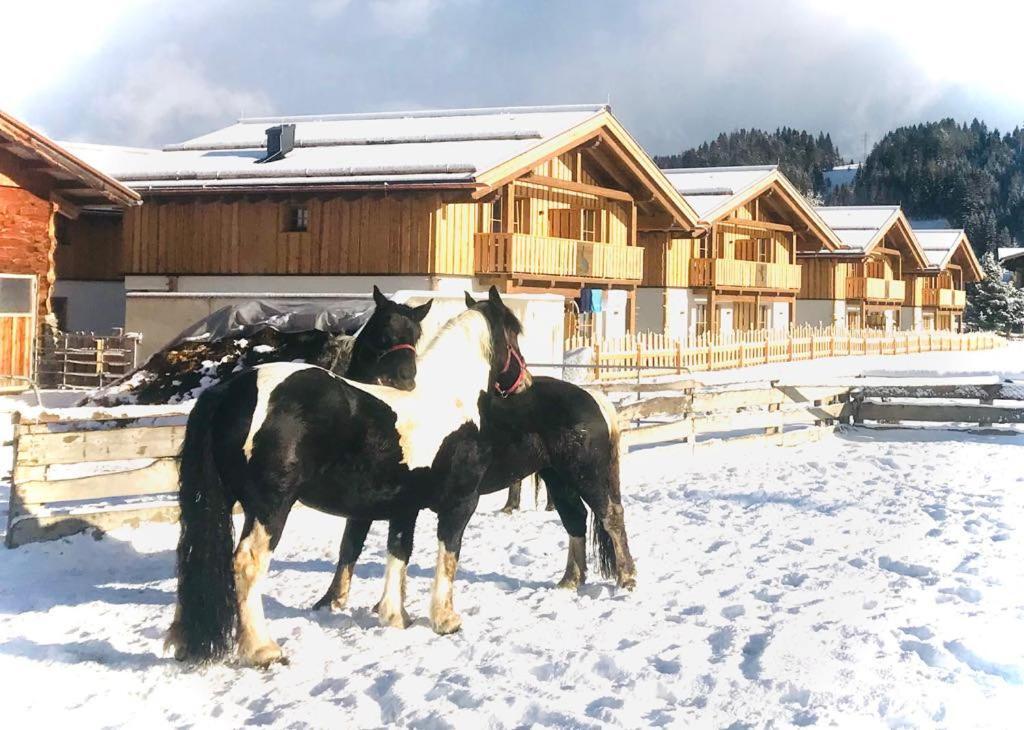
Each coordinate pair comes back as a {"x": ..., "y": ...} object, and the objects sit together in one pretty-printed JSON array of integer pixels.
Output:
[{"x": 333, "y": 316}]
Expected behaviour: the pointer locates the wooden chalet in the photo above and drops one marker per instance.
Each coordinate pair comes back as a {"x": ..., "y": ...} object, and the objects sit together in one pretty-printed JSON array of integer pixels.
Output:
[
  {"x": 937, "y": 295},
  {"x": 43, "y": 188},
  {"x": 1012, "y": 259},
  {"x": 861, "y": 284},
  {"x": 739, "y": 270},
  {"x": 535, "y": 199}
]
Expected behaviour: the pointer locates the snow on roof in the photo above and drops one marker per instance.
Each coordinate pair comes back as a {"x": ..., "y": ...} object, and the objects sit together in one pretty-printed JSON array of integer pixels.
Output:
[
  {"x": 939, "y": 244},
  {"x": 857, "y": 226},
  {"x": 707, "y": 189},
  {"x": 1009, "y": 254},
  {"x": 436, "y": 146}
]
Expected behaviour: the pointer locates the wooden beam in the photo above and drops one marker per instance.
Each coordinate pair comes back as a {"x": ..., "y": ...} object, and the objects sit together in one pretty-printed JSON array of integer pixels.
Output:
[
  {"x": 65, "y": 207},
  {"x": 756, "y": 225},
  {"x": 577, "y": 187}
]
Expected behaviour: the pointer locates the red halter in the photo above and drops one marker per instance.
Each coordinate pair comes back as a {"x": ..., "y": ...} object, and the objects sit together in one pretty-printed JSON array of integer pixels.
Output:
[
  {"x": 506, "y": 392},
  {"x": 396, "y": 348}
]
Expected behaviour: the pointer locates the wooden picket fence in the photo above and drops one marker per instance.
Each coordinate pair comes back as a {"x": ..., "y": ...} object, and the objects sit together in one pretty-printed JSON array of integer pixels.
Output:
[{"x": 650, "y": 353}]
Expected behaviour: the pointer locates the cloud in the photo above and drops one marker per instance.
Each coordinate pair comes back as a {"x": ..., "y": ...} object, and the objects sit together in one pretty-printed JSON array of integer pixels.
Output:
[
  {"x": 167, "y": 92},
  {"x": 677, "y": 73}
]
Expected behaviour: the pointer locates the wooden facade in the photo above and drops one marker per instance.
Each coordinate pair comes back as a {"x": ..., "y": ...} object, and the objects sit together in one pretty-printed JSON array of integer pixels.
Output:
[
  {"x": 872, "y": 282},
  {"x": 940, "y": 290},
  {"x": 745, "y": 255}
]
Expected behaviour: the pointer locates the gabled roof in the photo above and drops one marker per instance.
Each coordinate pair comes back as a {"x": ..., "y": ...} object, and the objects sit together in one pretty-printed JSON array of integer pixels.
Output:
[
  {"x": 942, "y": 245},
  {"x": 715, "y": 192},
  {"x": 861, "y": 228},
  {"x": 476, "y": 148},
  {"x": 55, "y": 172}
]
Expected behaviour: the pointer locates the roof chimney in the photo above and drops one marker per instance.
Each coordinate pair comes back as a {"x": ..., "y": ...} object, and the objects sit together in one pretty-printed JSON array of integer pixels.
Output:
[{"x": 280, "y": 141}]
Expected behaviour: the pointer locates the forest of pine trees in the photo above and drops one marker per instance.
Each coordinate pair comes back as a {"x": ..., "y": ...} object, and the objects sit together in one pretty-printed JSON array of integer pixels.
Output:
[
  {"x": 802, "y": 156},
  {"x": 969, "y": 175}
]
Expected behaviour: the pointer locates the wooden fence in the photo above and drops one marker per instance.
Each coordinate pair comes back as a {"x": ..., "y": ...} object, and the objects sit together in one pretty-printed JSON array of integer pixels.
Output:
[
  {"x": 621, "y": 357},
  {"x": 82, "y": 468},
  {"x": 84, "y": 361}
]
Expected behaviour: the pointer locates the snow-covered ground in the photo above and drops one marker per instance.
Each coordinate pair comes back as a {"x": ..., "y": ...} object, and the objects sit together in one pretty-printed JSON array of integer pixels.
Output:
[
  {"x": 1006, "y": 362},
  {"x": 873, "y": 579}
]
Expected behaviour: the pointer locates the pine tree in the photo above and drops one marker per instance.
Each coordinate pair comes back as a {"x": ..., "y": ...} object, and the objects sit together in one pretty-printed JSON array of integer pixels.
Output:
[{"x": 995, "y": 304}]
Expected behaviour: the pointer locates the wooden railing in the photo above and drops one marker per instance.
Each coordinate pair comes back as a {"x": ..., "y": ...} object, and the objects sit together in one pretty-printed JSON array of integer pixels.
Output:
[
  {"x": 82, "y": 361},
  {"x": 718, "y": 273},
  {"x": 654, "y": 354},
  {"x": 865, "y": 287},
  {"x": 518, "y": 253},
  {"x": 945, "y": 298}
]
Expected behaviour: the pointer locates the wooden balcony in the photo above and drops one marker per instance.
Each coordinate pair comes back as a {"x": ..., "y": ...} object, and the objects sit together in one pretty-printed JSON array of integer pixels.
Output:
[
  {"x": 519, "y": 254},
  {"x": 944, "y": 298},
  {"x": 872, "y": 289},
  {"x": 735, "y": 274}
]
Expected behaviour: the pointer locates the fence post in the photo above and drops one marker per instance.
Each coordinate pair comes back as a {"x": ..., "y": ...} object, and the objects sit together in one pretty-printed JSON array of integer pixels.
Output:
[{"x": 597, "y": 360}]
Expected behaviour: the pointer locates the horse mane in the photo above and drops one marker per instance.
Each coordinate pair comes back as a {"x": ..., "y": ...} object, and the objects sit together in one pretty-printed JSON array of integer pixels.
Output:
[{"x": 449, "y": 342}]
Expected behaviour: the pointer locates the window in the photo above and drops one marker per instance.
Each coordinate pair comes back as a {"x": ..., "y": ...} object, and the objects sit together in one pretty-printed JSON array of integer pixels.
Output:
[
  {"x": 588, "y": 224},
  {"x": 297, "y": 219},
  {"x": 700, "y": 319},
  {"x": 496, "y": 226},
  {"x": 521, "y": 216},
  {"x": 704, "y": 248},
  {"x": 762, "y": 250},
  {"x": 766, "y": 316}
]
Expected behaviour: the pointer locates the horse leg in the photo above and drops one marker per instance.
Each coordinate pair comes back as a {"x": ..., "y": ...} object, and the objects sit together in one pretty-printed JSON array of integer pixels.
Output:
[
  {"x": 515, "y": 495},
  {"x": 352, "y": 541},
  {"x": 391, "y": 607},
  {"x": 573, "y": 514},
  {"x": 609, "y": 529},
  {"x": 451, "y": 524},
  {"x": 251, "y": 562}
]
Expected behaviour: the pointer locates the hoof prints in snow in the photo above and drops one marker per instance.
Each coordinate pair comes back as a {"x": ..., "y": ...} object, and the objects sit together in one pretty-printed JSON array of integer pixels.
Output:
[{"x": 844, "y": 617}]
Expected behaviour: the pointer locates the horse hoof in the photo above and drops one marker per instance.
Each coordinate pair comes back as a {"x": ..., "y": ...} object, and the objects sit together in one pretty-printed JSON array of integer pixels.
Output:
[
  {"x": 627, "y": 582},
  {"x": 265, "y": 656},
  {"x": 330, "y": 603},
  {"x": 447, "y": 624},
  {"x": 393, "y": 619},
  {"x": 569, "y": 584}
]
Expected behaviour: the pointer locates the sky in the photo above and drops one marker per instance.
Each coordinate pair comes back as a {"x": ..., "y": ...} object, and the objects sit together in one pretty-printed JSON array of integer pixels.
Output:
[{"x": 147, "y": 73}]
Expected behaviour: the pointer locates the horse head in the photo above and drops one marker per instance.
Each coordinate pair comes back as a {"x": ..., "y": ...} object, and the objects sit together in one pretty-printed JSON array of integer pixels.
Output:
[
  {"x": 508, "y": 366},
  {"x": 385, "y": 350}
]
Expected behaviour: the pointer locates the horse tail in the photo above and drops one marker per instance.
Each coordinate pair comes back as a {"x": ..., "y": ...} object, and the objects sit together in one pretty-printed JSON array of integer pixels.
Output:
[
  {"x": 207, "y": 611},
  {"x": 600, "y": 539}
]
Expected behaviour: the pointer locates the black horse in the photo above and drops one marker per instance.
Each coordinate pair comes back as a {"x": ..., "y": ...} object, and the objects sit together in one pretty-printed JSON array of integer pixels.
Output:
[
  {"x": 570, "y": 437},
  {"x": 287, "y": 432},
  {"x": 384, "y": 350}
]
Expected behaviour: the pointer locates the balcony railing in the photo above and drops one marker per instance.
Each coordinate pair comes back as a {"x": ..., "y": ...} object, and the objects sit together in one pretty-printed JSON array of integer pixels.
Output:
[
  {"x": 886, "y": 290},
  {"x": 733, "y": 273},
  {"x": 944, "y": 298},
  {"x": 519, "y": 253}
]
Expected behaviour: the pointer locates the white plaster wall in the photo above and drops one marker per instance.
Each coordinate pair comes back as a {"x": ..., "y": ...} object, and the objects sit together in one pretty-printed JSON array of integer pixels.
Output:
[
  {"x": 678, "y": 312},
  {"x": 93, "y": 306}
]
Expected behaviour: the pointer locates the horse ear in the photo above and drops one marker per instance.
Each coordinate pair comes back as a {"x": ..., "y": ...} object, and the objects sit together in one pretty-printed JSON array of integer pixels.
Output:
[
  {"x": 493, "y": 296},
  {"x": 420, "y": 312},
  {"x": 378, "y": 297},
  {"x": 470, "y": 301}
]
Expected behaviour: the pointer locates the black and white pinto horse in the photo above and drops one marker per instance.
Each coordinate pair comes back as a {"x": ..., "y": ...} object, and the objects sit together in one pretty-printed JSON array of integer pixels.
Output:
[
  {"x": 286, "y": 432},
  {"x": 570, "y": 437}
]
